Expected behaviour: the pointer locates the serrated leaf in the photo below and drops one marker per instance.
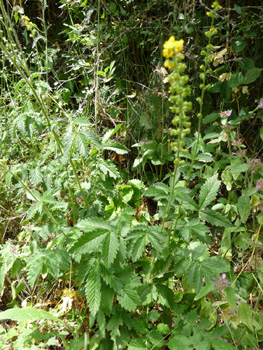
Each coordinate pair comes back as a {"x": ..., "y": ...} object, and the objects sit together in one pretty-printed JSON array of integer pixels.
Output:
[
  {"x": 27, "y": 314},
  {"x": 69, "y": 140},
  {"x": 138, "y": 247},
  {"x": 208, "y": 191},
  {"x": 37, "y": 207},
  {"x": 107, "y": 167},
  {"x": 136, "y": 345},
  {"x": 81, "y": 144},
  {"x": 34, "y": 267},
  {"x": 214, "y": 218},
  {"x": 194, "y": 276},
  {"x": 198, "y": 228},
  {"x": 88, "y": 225},
  {"x": 129, "y": 299},
  {"x": 110, "y": 248},
  {"x": 36, "y": 176},
  {"x": 179, "y": 342},
  {"x": 88, "y": 242},
  {"x": 93, "y": 138},
  {"x": 93, "y": 288},
  {"x": 207, "y": 269},
  {"x": 207, "y": 289}
]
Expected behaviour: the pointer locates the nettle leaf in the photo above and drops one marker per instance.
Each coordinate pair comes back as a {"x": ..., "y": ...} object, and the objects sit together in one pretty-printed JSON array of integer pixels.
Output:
[
  {"x": 209, "y": 191},
  {"x": 37, "y": 207},
  {"x": 107, "y": 167},
  {"x": 214, "y": 218},
  {"x": 69, "y": 140},
  {"x": 129, "y": 299},
  {"x": 93, "y": 288},
  {"x": 93, "y": 138},
  {"x": 34, "y": 267},
  {"x": 81, "y": 144},
  {"x": 36, "y": 176}
]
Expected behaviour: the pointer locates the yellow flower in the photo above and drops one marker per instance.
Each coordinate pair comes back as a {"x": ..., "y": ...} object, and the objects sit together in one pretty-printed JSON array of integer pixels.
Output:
[{"x": 172, "y": 46}]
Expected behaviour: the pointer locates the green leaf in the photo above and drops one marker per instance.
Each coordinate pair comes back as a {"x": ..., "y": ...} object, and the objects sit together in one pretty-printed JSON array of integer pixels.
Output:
[
  {"x": 129, "y": 299},
  {"x": 88, "y": 225},
  {"x": 93, "y": 288},
  {"x": 207, "y": 289},
  {"x": 196, "y": 227},
  {"x": 110, "y": 248},
  {"x": 165, "y": 295},
  {"x": 137, "y": 345},
  {"x": 93, "y": 138},
  {"x": 34, "y": 267},
  {"x": 81, "y": 144},
  {"x": 36, "y": 176},
  {"x": 107, "y": 167},
  {"x": 88, "y": 242},
  {"x": 194, "y": 276},
  {"x": 214, "y": 218},
  {"x": 204, "y": 157},
  {"x": 219, "y": 344},
  {"x": 252, "y": 75},
  {"x": 27, "y": 314},
  {"x": 179, "y": 342},
  {"x": 231, "y": 296},
  {"x": 227, "y": 179},
  {"x": 239, "y": 169},
  {"x": 69, "y": 140},
  {"x": 260, "y": 218},
  {"x": 245, "y": 315},
  {"x": 116, "y": 147},
  {"x": 236, "y": 80},
  {"x": 243, "y": 206},
  {"x": 81, "y": 121},
  {"x": 209, "y": 191},
  {"x": 139, "y": 247},
  {"x": 140, "y": 235}
]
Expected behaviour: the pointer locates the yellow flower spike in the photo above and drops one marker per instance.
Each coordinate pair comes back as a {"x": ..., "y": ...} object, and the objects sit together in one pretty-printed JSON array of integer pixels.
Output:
[{"x": 172, "y": 46}]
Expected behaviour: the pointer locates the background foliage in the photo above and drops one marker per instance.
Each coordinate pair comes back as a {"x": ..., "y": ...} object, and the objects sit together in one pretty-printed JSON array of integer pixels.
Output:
[{"x": 110, "y": 237}]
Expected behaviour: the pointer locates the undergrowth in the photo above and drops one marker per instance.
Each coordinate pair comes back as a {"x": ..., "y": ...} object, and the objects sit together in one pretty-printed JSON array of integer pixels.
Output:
[{"x": 130, "y": 218}]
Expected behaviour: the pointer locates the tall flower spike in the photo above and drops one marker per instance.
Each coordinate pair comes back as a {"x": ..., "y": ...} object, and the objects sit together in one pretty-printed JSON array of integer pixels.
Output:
[{"x": 179, "y": 91}]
